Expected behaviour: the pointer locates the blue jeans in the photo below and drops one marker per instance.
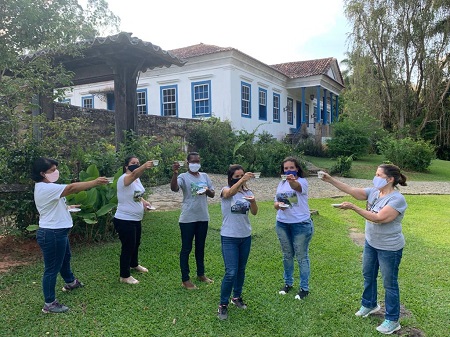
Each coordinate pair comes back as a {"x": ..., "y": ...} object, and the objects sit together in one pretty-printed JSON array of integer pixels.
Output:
[
  {"x": 189, "y": 231},
  {"x": 388, "y": 262},
  {"x": 294, "y": 239},
  {"x": 130, "y": 237},
  {"x": 235, "y": 252},
  {"x": 55, "y": 248}
]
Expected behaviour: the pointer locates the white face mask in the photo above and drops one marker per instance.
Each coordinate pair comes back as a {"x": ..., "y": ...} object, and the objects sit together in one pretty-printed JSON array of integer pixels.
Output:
[
  {"x": 194, "y": 167},
  {"x": 379, "y": 182},
  {"x": 52, "y": 177}
]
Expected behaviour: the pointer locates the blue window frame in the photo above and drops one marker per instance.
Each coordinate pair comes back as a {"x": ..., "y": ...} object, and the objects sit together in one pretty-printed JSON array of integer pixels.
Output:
[
  {"x": 201, "y": 99},
  {"x": 87, "y": 102},
  {"x": 290, "y": 111},
  {"x": 246, "y": 100},
  {"x": 141, "y": 101},
  {"x": 276, "y": 108},
  {"x": 262, "y": 97},
  {"x": 169, "y": 102}
]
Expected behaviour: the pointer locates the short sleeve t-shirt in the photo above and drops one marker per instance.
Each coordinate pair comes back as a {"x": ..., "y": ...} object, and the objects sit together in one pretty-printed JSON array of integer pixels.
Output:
[
  {"x": 129, "y": 205},
  {"x": 385, "y": 236},
  {"x": 298, "y": 210},
  {"x": 235, "y": 221},
  {"x": 52, "y": 208},
  {"x": 194, "y": 207}
]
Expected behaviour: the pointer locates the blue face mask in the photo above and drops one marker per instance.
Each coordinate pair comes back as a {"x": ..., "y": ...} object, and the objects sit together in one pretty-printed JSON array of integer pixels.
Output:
[
  {"x": 291, "y": 172},
  {"x": 379, "y": 182}
]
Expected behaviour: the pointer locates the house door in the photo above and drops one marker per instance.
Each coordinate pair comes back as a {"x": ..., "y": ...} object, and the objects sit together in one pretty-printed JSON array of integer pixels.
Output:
[
  {"x": 299, "y": 114},
  {"x": 110, "y": 102}
]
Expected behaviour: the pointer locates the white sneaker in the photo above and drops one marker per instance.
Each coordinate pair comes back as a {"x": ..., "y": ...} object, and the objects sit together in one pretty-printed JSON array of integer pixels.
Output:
[
  {"x": 388, "y": 327},
  {"x": 140, "y": 269},
  {"x": 129, "y": 280},
  {"x": 364, "y": 312}
]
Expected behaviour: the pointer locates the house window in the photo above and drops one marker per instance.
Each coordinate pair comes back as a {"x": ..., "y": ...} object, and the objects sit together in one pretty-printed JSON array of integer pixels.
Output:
[
  {"x": 262, "y": 104},
  {"x": 169, "y": 101},
  {"x": 246, "y": 110},
  {"x": 87, "y": 102},
  {"x": 290, "y": 111},
  {"x": 141, "y": 99},
  {"x": 201, "y": 99},
  {"x": 276, "y": 108}
]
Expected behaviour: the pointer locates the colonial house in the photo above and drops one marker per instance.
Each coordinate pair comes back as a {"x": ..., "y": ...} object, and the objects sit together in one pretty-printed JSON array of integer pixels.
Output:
[{"x": 282, "y": 99}]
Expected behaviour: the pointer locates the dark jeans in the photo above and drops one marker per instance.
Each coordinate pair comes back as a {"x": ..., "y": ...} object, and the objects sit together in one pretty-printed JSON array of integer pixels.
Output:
[
  {"x": 55, "y": 248},
  {"x": 189, "y": 231},
  {"x": 235, "y": 252},
  {"x": 130, "y": 236}
]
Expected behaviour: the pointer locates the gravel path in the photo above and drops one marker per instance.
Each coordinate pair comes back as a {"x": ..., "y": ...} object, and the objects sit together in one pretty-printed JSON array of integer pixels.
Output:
[{"x": 264, "y": 189}]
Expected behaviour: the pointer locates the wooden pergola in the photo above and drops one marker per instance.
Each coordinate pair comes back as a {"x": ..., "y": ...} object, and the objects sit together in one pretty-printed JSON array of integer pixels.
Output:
[{"x": 117, "y": 57}]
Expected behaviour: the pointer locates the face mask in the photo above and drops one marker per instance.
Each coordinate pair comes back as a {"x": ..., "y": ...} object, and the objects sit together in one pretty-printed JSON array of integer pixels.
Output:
[
  {"x": 234, "y": 181},
  {"x": 52, "y": 177},
  {"x": 133, "y": 167},
  {"x": 291, "y": 172},
  {"x": 379, "y": 182},
  {"x": 194, "y": 167}
]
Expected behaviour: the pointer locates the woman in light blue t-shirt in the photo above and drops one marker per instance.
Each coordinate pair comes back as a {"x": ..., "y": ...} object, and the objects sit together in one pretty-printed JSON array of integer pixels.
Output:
[{"x": 235, "y": 234}]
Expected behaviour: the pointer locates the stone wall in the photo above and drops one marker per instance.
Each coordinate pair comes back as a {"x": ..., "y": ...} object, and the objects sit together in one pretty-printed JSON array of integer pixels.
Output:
[{"x": 103, "y": 122}]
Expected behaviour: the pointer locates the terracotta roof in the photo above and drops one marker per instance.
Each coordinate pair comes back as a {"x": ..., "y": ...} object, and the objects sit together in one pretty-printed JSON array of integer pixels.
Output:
[
  {"x": 304, "y": 68},
  {"x": 198, "y": 50}
]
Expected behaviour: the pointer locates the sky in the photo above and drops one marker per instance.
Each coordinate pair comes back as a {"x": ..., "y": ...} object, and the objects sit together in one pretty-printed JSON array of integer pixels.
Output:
[{"x": 271, "y": 32}]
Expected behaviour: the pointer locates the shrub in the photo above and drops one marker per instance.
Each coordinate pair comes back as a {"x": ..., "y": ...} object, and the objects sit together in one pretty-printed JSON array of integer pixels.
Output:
[
  {"x": 407, "y": 153},
  {"x": 349, "y": 140},
  {"x": 343, "y": 166},
  {"x": 310, "y": 147}
]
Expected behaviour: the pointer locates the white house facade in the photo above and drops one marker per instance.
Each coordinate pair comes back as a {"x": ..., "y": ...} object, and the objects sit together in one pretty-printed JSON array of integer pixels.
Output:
[{"x": 230, "y": 85}]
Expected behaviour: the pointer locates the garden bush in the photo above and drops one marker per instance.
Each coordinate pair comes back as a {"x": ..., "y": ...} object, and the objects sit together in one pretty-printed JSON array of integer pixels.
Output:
[
  {"x": 407, "y": 153},
  {"x": 343, "y": 166},
  {"x": 349, "y": 139}
]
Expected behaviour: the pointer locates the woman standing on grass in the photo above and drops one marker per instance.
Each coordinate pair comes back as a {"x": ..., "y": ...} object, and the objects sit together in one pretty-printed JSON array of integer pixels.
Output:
[
  {"x": 294, "y": 225},
  {"x": 54, "y": 225},
  {"x": 235, "y": 236},
  {"x": 384, "y": 240},
  {"x": 128, "y": 217}
]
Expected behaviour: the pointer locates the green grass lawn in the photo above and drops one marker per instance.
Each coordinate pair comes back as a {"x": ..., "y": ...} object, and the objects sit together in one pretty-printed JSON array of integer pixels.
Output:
[
  {"x": 365, "y": 167},
  {"x": 159, "y": 306}
]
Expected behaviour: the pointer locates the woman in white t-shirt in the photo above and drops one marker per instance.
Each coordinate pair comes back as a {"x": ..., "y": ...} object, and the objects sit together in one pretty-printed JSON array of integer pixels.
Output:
[
  {"x": 54, "y": 225},
  {"x": 294, "y": 225},
  {"x": 129, "y": 214},
  {"x": 235, "y": 234}
]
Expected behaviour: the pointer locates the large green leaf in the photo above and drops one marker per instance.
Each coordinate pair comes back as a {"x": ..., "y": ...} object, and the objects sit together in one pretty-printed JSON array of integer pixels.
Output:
[
  {"x": 105, "y": 209},
  {"x": 92, "y": 196},
  {"x": 93, "y": 172}
]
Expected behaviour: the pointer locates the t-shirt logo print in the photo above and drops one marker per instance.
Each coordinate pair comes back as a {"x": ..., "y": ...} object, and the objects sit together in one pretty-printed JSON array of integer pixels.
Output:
[
  {"x": 240, "y": 207},
  {"x": 288, "y": 198},
  {"x": 137, "y": 195},
  {"x": 195, "y": 187}
]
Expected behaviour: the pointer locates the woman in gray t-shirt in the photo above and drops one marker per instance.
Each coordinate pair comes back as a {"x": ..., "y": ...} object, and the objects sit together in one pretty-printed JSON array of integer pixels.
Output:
[
  {"x": 235, "y": 234},
  {"x": 384, "y": 240}
]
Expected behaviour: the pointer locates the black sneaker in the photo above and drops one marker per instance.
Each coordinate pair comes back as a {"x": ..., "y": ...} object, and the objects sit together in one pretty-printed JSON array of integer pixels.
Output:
[
  {"x": 285, "y": 289},
  {"x": 301, "y": 294},
  {"x": 74, "y": 285},
  {"x": 222, "y": 312},
  {"x": 55, "y": 307},
  {"x": 237, "y": 301}
]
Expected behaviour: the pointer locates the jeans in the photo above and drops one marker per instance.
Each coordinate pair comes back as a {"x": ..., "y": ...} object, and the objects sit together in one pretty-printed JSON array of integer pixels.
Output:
[
  {"x": 55, "y": 248},
  {"x": 130, "y": 236},
  {"x": 189, "y": 230},
  {"x": 294, "y": 239},
  {"x": 235, "y": 252},
  {"x": 388, "y": 262}
]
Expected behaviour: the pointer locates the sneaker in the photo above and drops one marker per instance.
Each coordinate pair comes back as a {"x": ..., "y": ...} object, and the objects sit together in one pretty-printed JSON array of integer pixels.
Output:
[
  {"x": 55, "y": 307},
  {"x": 222, "y": 312},
  {"x": 129, "y": 280},
  {"x": 71, "y": 286},
  {"x": 237, "y": 301},
  {"x": 285, "y": 289},
  {"x": 364, "y": 312},
  {"x": 301, "y": 294},
  {"x": 388, "y": 327},
  {"x": 188, "y": 285},
  {"x": 205, "y": 279},
  {"x": 140, "y": 269}
]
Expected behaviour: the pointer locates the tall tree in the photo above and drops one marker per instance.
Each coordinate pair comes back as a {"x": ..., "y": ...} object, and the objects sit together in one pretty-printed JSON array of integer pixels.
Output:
[{"x": 405, "y": 45}]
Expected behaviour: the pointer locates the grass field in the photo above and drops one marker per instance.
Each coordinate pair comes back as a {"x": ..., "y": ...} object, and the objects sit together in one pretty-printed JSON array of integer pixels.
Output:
[{"x": 158, "y": 306}]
